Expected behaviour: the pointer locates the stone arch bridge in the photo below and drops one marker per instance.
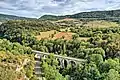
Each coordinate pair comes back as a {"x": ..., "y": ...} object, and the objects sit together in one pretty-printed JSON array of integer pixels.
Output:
[{"x": 63, "y": 61}]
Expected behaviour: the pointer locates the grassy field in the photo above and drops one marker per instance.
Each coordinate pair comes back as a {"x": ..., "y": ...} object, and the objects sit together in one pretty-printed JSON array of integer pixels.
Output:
[
  {"x": 67, "y": 35},
  {"x": 53, "y": 34},
  {"x": 47, "y": 34},
  {"x": 92, "y": 24},
  {"x": 64, "y": 35},
  {"x": 101, "y": 24}
]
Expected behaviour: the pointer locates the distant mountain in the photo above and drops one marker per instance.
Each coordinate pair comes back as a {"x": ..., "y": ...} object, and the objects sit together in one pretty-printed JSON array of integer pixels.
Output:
[
  {"x": 109, "y": 15},
  {"x": 51, "y": 17},
  {"x": 4, "y": 17}
]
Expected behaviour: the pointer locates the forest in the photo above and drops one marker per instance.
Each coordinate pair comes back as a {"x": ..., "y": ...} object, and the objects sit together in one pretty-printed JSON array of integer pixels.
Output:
[
  {"x": 111, "y": 15},
  {"x": 100, "y": 46}
]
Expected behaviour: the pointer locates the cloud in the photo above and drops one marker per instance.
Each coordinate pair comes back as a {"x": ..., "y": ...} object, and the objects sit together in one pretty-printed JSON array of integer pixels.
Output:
[{"x": 37, "y": 8}]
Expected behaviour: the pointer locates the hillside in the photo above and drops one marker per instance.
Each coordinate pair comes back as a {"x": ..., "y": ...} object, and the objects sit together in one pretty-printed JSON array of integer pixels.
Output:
[
  {"x": 113, "y": 15},
  {"x": 96, "y": 41},
  {"x": 4, "y": 17},
  {"x": 60, "y": 48}
]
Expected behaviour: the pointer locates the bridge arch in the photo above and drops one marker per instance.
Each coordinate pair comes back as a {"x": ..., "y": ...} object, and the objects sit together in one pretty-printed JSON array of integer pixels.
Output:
[
  {"x": 73, "y": 63},
  {"x": 65, "y": 63},
  {"x": 62, "y": 61},
  {"x": 44, "y": 56}
]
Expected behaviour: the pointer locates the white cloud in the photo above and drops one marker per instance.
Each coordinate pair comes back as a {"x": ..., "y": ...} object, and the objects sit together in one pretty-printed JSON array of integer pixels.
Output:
[{"x": 36, "y": 8}]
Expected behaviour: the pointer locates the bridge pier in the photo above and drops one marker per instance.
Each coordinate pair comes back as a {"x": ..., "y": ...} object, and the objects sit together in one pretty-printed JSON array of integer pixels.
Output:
[{"x": 61, "y": 62}]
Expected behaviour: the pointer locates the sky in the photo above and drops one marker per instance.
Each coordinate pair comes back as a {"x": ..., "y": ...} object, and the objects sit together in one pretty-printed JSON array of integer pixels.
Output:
[{"x": 37, "y": 8}]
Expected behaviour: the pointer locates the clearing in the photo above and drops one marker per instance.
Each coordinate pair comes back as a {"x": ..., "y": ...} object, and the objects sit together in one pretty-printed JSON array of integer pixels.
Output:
[
  {"x": 101, "y": 24},
  {"x": 53, "y": 34}
]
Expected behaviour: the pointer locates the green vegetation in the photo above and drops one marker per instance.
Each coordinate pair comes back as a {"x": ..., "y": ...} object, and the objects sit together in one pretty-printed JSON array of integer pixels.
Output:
[
  {"x": 50, "y": 71},
  {"x": 5, "y": 17},
  {"x": 112, "y": 15},
  {"x": 96, "y": 41},
  {"x": 13, "y": 58}
]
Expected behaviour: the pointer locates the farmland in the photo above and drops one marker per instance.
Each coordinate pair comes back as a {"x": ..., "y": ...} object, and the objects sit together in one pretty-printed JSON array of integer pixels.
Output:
[{"x": 55, "y": 35}]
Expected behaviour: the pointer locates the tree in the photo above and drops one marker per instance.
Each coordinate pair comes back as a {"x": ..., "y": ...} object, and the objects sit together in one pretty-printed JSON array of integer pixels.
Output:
[
  {"x": 87, "y": 72},
  {"x": 96, "y": 58},
  {"x": 50, "y": 69},
  {"x": 5, "y": 74},
  {"x": 75, "y": 36},
  {"x": 105, "y": 66},
  {"x": 112, "y": 75}
]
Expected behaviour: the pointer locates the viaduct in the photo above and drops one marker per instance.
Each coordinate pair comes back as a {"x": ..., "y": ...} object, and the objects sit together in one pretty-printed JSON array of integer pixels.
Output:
[{"x": 63, "y": 61}]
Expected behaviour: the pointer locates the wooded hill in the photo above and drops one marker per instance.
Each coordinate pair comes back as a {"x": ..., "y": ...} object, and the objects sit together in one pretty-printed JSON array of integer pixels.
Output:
[
  {"x": 4, "y": 17},
  {"x": 113, "y": 15}
]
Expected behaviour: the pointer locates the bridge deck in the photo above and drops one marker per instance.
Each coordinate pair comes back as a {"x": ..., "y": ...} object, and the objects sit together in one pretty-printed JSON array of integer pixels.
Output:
[{"x": 69, "y": 58}]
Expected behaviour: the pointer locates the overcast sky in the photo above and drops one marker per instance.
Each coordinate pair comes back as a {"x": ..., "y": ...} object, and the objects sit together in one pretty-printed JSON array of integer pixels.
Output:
[{"x": 37, "y": 8}]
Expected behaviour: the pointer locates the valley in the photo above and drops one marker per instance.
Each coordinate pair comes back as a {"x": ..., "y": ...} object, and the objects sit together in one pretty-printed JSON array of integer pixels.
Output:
[{"x": 70, "y": 47}]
